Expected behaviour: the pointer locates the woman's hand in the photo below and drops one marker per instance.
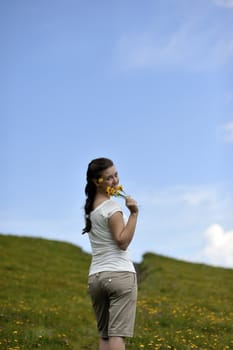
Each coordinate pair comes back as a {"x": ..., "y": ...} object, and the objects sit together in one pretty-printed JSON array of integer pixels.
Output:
[{"x": 131, "y": 204}]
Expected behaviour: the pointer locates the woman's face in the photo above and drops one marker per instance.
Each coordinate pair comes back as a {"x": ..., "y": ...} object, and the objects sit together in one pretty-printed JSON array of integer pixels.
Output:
[{"x": 109, "y": 177}]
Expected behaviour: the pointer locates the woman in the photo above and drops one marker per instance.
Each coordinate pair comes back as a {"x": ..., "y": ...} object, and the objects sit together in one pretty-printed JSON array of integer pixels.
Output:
[{"x": 112, "y": 278}]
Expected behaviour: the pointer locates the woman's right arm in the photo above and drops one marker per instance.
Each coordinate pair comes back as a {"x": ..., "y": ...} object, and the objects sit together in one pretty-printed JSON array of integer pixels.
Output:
[{"x": 122, "y": 233}]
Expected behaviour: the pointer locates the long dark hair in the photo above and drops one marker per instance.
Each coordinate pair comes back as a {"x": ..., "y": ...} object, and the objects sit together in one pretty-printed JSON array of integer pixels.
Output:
[{"x": 94, "y": 170}]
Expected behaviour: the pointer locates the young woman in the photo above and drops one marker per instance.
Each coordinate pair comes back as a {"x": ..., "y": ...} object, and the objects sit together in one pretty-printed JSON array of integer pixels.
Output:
[{"x": 112, "y": 279}]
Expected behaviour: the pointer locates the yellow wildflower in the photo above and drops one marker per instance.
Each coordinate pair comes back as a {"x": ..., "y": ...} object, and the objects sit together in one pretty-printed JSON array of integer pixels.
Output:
[{"x": 116, "y": 191}]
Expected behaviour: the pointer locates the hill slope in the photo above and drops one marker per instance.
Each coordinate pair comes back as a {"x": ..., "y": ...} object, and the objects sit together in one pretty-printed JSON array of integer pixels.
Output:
[{"x": 45, "y": 303}]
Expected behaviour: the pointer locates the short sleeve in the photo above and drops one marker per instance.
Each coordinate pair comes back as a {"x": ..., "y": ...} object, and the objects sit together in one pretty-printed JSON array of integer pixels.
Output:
[{"x": 111, "y": 208}]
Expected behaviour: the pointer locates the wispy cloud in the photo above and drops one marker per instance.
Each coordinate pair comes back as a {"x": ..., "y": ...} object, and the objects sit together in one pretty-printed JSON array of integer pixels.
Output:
[
  {"x": 172, "y": 220},
  {"x": 182, "y": 194},
  {"x": 193, "y": 46},
  {"x": 196, "y": 197},
  {"x": 224, "y": 3},
  {"x": 228, "y": 130}
]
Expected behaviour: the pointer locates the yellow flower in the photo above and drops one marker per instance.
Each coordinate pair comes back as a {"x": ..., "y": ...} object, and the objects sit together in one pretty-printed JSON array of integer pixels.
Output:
[
  {"x": 110, "y": 191},
  {"x": 116, "y": 191},
  {"x": 100, "y": 180}
]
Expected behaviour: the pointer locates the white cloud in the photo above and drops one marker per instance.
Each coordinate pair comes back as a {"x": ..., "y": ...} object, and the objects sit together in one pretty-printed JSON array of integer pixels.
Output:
[
  {"x": 228, "y": 128},
  {"x": 219, "y": 246},
  {"x": 224, "y": 3}
]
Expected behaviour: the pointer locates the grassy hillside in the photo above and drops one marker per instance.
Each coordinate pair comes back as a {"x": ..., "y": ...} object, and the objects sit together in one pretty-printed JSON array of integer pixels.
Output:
[{"x": 44, "y": 303}]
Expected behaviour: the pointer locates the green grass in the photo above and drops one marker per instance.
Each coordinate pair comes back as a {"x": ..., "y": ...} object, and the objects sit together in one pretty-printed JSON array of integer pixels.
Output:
[{"x": 45, "y": 304}]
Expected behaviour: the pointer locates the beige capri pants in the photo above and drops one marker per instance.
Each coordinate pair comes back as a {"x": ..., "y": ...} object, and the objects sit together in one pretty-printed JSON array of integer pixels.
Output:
[{"x": 114, "y": 298}]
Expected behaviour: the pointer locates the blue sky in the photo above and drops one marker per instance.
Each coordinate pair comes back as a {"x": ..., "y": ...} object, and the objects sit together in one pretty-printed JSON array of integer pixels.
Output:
[{"x": 148, "y": 84}]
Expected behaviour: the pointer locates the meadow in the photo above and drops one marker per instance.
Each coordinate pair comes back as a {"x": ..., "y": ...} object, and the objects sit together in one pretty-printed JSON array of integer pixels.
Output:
[{"x": 44, "y": 301}]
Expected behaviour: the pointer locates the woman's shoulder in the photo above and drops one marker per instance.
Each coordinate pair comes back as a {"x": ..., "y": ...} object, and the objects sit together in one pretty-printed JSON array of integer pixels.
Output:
[
  {"x": 112, "y": 203},
  {"x": 111, "y": 207},
  {"x": 106, "y": 205}
]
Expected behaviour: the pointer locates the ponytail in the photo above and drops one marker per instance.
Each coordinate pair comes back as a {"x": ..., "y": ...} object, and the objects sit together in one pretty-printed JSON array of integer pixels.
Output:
[
  {"x": 95, "y": 168},
  {"x": 90, "y": 191}
]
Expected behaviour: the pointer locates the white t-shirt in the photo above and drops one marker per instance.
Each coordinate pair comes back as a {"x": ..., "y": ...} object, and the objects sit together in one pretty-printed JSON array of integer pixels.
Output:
[{"x": 106, "y": 254}]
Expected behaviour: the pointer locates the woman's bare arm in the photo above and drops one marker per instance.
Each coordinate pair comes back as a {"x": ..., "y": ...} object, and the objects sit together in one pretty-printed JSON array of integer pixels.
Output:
[{"x": 122, "y": 233}]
